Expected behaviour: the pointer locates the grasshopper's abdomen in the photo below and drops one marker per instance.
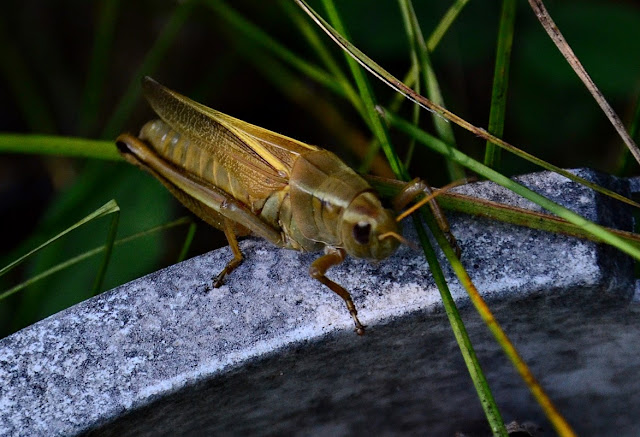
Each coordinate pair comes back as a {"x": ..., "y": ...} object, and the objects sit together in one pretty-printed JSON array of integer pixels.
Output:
[{"x": 187, "y": 154}]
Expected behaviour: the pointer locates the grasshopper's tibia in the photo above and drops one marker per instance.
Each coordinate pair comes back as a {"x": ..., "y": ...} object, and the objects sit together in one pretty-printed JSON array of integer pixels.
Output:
[{"x": 318, "y": 269}]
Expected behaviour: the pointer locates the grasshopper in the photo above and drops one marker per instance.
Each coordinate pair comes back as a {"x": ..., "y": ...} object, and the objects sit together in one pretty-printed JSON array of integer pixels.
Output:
[{"x": 244, "y": 179}]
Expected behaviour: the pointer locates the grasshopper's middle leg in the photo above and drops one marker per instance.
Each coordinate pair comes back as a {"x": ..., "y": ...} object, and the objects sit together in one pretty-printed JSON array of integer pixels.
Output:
[
  {"x": 318, "y": 269},
  {"x": 235, "y": 249}
]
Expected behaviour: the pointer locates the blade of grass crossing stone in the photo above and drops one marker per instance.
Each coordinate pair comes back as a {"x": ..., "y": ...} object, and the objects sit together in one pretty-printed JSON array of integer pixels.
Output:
[
  {"x": 500, "y": 179},
  {"x": 381, "y": 133},
  {"x": 466, "y": 347},
  {"x": 560, "y": 424}
]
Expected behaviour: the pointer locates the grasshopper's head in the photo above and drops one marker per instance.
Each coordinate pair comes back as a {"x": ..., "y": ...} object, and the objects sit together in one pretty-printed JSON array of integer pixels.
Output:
[{"x": 368, "y": 230}]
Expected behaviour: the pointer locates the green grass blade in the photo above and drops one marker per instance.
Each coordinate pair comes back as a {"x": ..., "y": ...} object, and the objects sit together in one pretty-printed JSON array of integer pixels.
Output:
[
  {"x": 93, "y": 252},
  {"x": 500, "y": 81},
  {"x": 58, "y": 146},
  {"x": 111, "y": 236},
  {"x": 382, "y": 136},
  {"x": 267, "y": 63},
  {"x": 523, "y": 217},
  {"x": 548, "y": 166},
  {"x": 313, "y": 38},
  {"x": 255, "y": 34},
  {"x": 466, "y": 347},
  {"x": 481, "y": 169},
  {"x": 415, "y": 70},
  {"x": 559, "y": 423},
  {"x": 178, "y": 222},
  {"x": 364, "y": 88},
  {"x": 98, "y": 65},
  {"x": 457, "y": 202},
  {"x": 445, "y": 23},
  {"x": 40, "y": 276},
  {"x": 110, "y": 207},
  {"x": 434, "y": 39},
  {"x": 188, "y": 239},
  {"x": 153, "y": 58},
  {"x": 443, "y": 128},
  {"x": 415, "y": 118},
  {"x": 411, "y": 79},
  {"x": 625, "y": 163},
  {"x": 400, "y": 87}
]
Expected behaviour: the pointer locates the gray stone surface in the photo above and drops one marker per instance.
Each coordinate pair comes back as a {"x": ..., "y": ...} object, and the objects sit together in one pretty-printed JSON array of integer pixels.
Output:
[{"x": 272, "y": 352}]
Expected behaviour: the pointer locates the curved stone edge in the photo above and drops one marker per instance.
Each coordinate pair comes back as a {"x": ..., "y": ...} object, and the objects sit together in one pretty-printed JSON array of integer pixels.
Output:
[{"x": 94, "y": 361}]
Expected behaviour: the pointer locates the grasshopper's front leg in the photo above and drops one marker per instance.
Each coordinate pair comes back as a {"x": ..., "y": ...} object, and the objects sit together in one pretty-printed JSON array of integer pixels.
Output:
[
  {"x": 417, "y": 187},
  {"x": 332, "y": 257}
]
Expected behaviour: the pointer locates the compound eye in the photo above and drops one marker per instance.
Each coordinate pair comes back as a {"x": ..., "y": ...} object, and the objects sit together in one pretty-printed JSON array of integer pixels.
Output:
[{"x": 362, "y": 232}]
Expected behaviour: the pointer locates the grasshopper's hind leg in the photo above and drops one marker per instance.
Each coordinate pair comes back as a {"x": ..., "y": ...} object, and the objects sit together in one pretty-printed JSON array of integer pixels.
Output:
[
  {"x": 318, "y": 269},
  {"x": 235, "y": 249}
]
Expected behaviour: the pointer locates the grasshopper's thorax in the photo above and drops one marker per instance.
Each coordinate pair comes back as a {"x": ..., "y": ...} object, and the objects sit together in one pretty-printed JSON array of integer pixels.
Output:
[{"x": 332, "y": 205}]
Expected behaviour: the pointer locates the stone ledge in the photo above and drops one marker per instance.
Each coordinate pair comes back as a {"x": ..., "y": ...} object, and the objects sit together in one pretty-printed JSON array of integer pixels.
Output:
[{"x": 273, "y": 352}]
